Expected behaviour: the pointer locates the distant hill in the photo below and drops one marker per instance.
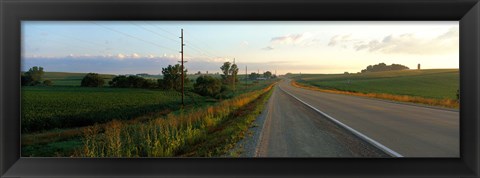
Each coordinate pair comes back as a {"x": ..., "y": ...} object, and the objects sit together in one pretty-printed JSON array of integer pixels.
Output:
[
  {"x": 429, "y": 83},
  {"x": 70, "y": 79}
]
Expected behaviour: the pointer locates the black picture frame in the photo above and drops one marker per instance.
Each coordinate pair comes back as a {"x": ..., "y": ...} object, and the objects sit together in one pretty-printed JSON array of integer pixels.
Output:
[{"x": 12, "y": 12}]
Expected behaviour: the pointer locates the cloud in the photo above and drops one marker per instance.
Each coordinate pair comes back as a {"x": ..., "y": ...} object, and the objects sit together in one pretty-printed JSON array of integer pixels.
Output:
[
  {"x": 111, "y": 64},
  {"x": 244, "y": 44},
  {"x": 340, "y": 39},
  {"x": 408, "y": 43},
  {"x": 268, "y": 48},
  {"x": 119, "y": 56},
  {"x": 290, "y": 38}
]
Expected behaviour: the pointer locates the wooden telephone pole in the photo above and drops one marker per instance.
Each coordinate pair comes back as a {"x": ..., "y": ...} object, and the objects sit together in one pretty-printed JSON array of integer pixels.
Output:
[
  {"x": 234, "y": 76},
  {"x": 246, "y": 78},
  {"x": 183, "y": 92}
]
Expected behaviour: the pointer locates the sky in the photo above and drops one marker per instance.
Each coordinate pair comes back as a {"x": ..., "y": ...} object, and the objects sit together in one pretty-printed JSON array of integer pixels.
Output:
[{"x": 132, "y": 47}]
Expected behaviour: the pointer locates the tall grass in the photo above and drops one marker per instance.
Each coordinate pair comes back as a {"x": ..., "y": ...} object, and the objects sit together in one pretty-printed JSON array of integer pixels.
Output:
[
  {"x": 448, "y": 103},
  {"x": 165, "y": 136}
]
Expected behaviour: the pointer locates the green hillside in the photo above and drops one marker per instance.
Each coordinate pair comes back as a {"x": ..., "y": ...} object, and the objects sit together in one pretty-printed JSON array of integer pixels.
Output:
[
  {"x": 70, "y": 79},
  {"x": 430, "y": 83}
]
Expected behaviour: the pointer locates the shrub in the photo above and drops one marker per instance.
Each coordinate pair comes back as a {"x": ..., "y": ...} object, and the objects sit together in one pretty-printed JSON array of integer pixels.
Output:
[
  {"x": 92, "y": 80},
  {"x": 132, "y": 82},
  {"x": 207, "y": 86},
  {"x": 33, "y": 76},
  {"x": 172, "y": 77}
]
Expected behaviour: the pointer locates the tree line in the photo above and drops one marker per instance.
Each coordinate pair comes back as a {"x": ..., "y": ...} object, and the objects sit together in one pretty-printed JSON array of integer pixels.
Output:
[
  {"x": 33, "y": 77},
  {"x": 204, "y": 85},
  {"x": 384, "y": 67}
]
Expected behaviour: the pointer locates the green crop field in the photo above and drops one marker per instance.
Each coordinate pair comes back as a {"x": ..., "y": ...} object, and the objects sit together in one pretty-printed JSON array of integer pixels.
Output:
[
  {"x": 430, "y": 83},
  {"x": 46, "y": 108},
  {"x": 70, "y": 79},
  {"x": 53, "y": 116}
]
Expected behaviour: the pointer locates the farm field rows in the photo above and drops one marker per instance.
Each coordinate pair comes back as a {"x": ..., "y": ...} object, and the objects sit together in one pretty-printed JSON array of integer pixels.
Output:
[
  {"x": 54, "y": 117},
  {"x": 435, "y": 83}
]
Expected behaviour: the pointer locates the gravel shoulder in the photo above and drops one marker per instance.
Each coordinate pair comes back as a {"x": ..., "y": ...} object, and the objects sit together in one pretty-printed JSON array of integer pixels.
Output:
[{"x": 247, "y": 147}]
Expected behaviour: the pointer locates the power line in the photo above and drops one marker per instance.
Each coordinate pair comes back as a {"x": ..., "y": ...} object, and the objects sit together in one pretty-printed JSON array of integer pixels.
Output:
[
  {"x": 200, "y": 41},
  {"x": 151, "y": 31},
  {"x": 72, "y": 46},
  {"x": 191, "y": 45},
  {"x": 199, "y": 51},
  {"x": 156, "y": 26},
  {"x": 134, "y": 37},
  {"x": 205, "y": 51}
]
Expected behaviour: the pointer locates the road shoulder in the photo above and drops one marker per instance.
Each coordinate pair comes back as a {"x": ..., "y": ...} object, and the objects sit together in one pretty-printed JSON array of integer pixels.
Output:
[{"x": 247, "y": 147}]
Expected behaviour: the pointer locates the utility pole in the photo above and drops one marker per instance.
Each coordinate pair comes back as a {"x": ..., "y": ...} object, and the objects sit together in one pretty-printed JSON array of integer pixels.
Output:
[
  {"x": 183, "y": 92},
  {"x": 233, "y": 75},
  {"x": 246, "y": 78}
]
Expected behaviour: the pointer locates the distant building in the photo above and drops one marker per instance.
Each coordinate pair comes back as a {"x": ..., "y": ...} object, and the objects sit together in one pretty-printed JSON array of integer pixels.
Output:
[{"x": 418, "y": 66}]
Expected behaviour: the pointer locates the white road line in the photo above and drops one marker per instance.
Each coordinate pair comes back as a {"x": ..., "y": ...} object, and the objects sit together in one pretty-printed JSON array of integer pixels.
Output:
[{"x": 360, "y": 135}]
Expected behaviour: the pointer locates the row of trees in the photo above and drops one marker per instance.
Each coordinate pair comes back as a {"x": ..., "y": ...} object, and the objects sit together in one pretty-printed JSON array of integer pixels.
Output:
[
  {"x": 219, "y": 88},
  {"x": 171, "y": 80},
  {"x": 210, "y": 86},
  {"x": 172, "y": 77},
  {"x": 34, "y": 77},
  {"x": 384, "y": 67},
  {"x": 256, "y": 76}
]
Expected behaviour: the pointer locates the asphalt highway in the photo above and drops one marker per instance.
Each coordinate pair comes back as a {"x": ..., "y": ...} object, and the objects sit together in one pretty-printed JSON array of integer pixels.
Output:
[{"x": 306, "y": 123}]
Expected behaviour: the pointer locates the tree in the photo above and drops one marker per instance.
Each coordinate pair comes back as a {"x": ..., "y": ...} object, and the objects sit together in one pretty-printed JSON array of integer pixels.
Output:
[
  {"x": 230, "y": 72},
  {"x": 149, "y": 83},
  {"x": 172, "y": 77},
  {"x": 383, "y": 67},
  {"x": 33, "y": 76},
  {"x": 207, "y": 86},
  {"x": 26, "y": 80},
  {"x": 267, "y": 74},
  {"x": 225, "y": 70},
  {"x": 135, "y": 81},
  {"x": 119, "y": 82},
  {"x": 253, "y": 76},
  {"x": 92, "y": 80},
  {"x": 233, "y": 73}
]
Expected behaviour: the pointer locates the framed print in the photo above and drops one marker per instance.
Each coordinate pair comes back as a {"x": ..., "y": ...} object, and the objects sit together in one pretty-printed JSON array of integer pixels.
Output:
[{"x": 239, "y": 88}]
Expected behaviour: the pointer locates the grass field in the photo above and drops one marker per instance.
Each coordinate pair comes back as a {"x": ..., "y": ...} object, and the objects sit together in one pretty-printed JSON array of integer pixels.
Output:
[
  {"x": 430, "y": 83},
  {"x": 54, "y": 117},
  {"x": 70, "y": 79},
  {"x": 200, "y": 132},
  {"x": 45, "y": 108}
]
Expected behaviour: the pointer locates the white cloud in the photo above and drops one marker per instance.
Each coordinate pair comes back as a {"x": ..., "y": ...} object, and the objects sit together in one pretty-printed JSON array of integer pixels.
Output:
[
  {"x": 408, "y": 43},
  {"x": 290, "y": 38},
  {"x": 135, "y": 55},
  {"x": 120, "y": 56},
  {"x": 244, "y": 44},
  {"x": 341, "y": 39}
]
